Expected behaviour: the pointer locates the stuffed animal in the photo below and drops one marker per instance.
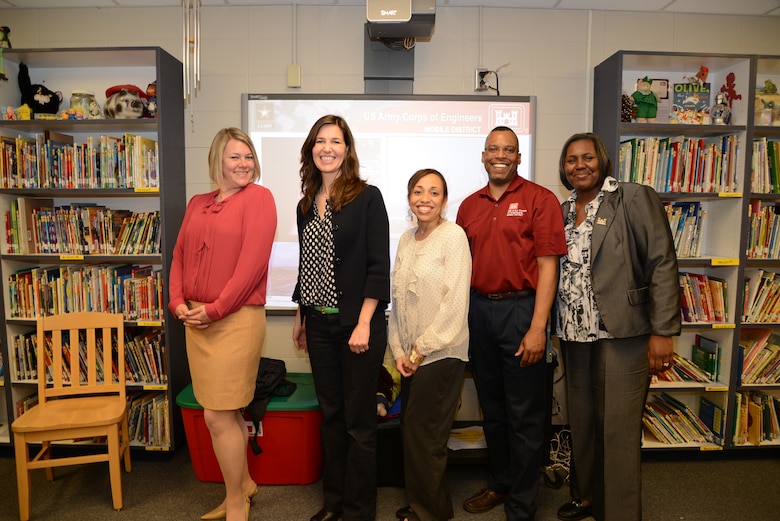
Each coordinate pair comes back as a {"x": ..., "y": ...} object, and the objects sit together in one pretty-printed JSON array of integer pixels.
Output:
[
  {"x": 151, "y": 92},
  {"x": 645, "y": 101},
  {"x": 40, "y": 99},
  {"x": 125, "y": 102}
]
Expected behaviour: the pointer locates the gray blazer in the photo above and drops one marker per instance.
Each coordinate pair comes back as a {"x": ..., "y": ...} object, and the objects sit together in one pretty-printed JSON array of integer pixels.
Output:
[{"x": 634, "y": 266}]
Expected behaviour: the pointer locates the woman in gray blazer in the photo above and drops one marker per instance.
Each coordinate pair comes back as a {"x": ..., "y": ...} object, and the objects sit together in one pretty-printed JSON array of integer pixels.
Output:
[{"x": 617, "y": 307}]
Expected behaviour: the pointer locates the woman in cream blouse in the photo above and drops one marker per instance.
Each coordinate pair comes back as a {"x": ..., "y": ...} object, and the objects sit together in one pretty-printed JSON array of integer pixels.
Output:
[{"x": 429, "y": 338}]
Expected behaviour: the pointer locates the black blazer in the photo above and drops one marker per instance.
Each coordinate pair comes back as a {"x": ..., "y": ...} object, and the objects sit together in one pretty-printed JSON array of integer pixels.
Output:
[
  {"x": 633, "y": 265},
  {"x": 361, "y": 236}
]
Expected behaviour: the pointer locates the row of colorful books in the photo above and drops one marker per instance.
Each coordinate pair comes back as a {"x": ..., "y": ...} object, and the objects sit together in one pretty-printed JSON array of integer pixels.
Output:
[
  {"x": 35, "y": 226},
  {"x": 765, "y": 168},
  {"x": 144, "y": 358},
  {"x": 704, "y": 298},
  {"x": 686, "y": 220},
  {"x": 671, "y": 421},
  {"x": 22, "y": 405},
  {"x": 764, "y": 223},
  {"x": 147, "y": 413},
  {"x": 703, "y": 366},
  {"x": 762, "y": 296},
  {"x": 755, "y": 418},
  {"x": 681, "y": 164},
  {"x": 135, "y": 291},
  {"x": 53, "y": 160},
  {"x": 759, "y": 357}
]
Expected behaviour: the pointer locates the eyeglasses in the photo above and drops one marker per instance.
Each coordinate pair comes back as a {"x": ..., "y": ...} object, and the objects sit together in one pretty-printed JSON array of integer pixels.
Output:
[{"x": 507, "y": 150}]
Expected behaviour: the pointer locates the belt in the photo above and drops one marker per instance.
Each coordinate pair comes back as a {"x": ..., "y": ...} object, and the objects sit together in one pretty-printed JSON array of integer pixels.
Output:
[
  {"x": 325, "y": 310},
  {"x": 507, "y": 294}
]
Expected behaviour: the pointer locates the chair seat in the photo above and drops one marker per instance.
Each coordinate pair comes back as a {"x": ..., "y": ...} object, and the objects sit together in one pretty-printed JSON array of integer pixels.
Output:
[{"x": 73, "y": 413}]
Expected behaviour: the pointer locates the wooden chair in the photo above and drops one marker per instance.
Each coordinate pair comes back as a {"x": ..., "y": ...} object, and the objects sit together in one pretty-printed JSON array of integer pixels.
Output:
[{"x": 74, "y": 400}]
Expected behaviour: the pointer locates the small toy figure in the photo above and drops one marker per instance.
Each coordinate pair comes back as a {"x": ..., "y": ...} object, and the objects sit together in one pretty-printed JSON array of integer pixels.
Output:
[
  {"x": 95, "y": 112},
  {"x": 646, "y": 101},
  {"x": 728, "y": 90},
  {"x": 151, "y": 92},
  {"x": 700, "y": 78},
  {"x": 10, "y": 113},
  {"x": 24, "y": 112},
  {"x": 770, "y": 87}
]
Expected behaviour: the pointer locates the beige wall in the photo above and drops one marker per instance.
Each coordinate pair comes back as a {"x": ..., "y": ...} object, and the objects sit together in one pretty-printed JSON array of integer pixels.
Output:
[{"x": 551, "y": 55}]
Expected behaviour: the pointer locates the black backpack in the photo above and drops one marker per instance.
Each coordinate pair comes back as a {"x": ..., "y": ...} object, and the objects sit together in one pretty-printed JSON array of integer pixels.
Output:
[{"x": 270, "y": 382}]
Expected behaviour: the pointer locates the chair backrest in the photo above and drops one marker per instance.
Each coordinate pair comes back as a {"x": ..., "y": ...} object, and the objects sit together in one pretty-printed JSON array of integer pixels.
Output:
[{"x": 80, "y": 354}]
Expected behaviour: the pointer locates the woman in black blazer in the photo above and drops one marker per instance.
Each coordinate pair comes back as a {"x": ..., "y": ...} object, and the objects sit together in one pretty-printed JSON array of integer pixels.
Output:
[
  {"x": 343, "y": 289},
  {"x": 617, "y": 308}
]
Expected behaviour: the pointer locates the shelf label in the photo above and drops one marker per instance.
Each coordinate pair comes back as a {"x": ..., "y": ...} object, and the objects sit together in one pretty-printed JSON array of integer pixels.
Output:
[
  {"x": 707, "y": 448},
  {"x": 149, "y": 323},
  {"x": 147, "y": 190},
  {"x": 723, "y": 325},
  {"x": 718, "y": 388},
  {"x": 725, "y": 261},
  {"x": 156, "y": 448},
  {"x": 729, "y": 194},
  {"x": 71, "y": 257},
  {"x": 155, "y": 387}
]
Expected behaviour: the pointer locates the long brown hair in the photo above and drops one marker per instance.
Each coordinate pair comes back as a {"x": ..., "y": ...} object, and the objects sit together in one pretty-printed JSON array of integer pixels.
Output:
[{"x": 347, "y": 185}]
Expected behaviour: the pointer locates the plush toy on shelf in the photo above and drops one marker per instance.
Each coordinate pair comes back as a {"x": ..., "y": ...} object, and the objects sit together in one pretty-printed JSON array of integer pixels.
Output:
[
  {"x": 151, "y": 92},
  {"x": 39, "y": 98},
  {"x": 125, "y": 102},
  {"x": 645, "y": 101}
]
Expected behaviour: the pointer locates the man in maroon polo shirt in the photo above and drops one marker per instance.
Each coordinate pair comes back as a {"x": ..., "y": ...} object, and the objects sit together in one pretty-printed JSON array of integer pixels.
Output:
[{"x": 515, "y": 229}]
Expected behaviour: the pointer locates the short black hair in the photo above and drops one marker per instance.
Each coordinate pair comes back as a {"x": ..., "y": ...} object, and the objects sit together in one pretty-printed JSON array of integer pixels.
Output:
[{"x": 605, "y": 164}]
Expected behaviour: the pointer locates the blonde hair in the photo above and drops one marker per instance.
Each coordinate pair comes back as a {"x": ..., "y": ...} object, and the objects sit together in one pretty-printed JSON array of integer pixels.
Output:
[{"x": 218, "y": 148}]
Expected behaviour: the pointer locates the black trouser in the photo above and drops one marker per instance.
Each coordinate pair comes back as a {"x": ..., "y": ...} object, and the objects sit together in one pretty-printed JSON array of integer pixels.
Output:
[
  {"x": 512, "y": 398},
  {"x": 346, "y": 390},
  {"x": 429, "y": 400}
]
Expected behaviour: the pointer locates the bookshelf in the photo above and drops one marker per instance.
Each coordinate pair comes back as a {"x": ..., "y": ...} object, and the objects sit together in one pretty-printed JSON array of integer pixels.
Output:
[
  {"x": 91, "y": 225},
  {"x": 703, "y": 173}
]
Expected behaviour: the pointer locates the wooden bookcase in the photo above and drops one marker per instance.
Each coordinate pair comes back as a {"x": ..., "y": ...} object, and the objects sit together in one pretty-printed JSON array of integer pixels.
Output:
[
  {"x": 96, "y": 69},
  {"x": 724, "y": 234}
]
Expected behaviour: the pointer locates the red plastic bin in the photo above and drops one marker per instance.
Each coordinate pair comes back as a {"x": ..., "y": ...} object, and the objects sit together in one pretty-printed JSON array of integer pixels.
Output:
[{"x": 289, "y": 437}]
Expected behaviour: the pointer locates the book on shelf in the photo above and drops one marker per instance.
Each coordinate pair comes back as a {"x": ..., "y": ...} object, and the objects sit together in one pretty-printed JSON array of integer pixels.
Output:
[
  {"x": 686, "y": 220},
  {"x": 29, "y": 224},
  {"x": 759, "y": 356},
  {"x": 675, "y": 421},
  {"x": 705, "y": 354},
  {"x": 702, "y": 301},
  {"x": 714, "y": 417},
  {"x": 691, "y": 103},
  {"x": 763, "y": 224},
  {"x": 23, "y": 405},
  {"x": 682, "y": 370}
]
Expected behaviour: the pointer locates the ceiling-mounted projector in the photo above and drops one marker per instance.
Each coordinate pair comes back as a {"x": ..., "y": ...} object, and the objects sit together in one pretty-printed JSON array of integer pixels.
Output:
[{"x": 396, "y": 19}]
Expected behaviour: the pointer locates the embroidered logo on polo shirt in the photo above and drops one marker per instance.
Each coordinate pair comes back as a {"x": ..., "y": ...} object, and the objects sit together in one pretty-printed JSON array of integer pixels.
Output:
[
  {"x": 515, "y": 210},
  {"x": 602, "y": 221}
]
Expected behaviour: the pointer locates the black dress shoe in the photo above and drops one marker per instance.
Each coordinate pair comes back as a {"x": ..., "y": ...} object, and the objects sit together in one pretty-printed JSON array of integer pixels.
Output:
[
  {"x": 403, "y": 512},
  {"x": 574, "y": 510},
  {"x": 326, "y": 515}
]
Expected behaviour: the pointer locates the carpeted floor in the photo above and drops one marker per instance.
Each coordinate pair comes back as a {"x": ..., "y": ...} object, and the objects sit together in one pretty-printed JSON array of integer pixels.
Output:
[{"x": 163, "y": 487}]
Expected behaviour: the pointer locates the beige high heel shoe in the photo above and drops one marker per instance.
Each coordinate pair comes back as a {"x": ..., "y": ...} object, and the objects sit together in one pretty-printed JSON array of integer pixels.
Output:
[{"x": 221, "y": 513}]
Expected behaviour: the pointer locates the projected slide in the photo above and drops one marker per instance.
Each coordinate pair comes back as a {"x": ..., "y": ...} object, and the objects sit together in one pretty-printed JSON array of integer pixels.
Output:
[{"x": 394, "y": 137}]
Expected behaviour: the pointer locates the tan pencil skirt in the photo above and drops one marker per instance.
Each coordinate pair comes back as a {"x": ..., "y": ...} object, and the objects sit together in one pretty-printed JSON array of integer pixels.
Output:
[{"x": 224, "y": 357}]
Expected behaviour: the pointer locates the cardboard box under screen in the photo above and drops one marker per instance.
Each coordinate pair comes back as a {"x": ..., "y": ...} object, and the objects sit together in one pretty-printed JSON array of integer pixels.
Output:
[{"x": 289, "y": 435}]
